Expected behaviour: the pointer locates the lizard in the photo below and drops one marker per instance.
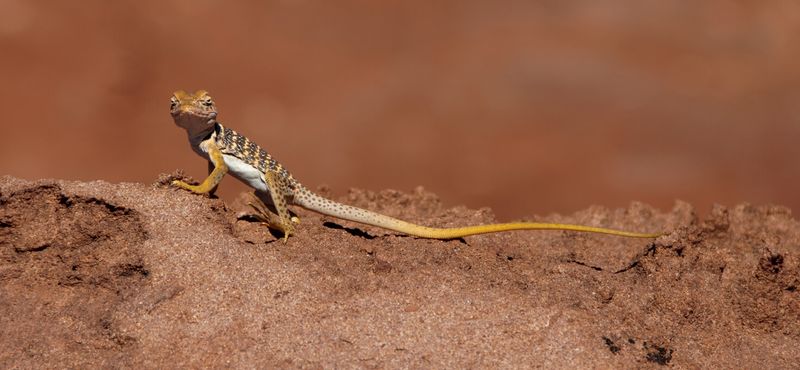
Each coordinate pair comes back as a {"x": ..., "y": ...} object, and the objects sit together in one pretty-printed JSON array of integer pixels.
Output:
[{"x": 227, "y": 151}]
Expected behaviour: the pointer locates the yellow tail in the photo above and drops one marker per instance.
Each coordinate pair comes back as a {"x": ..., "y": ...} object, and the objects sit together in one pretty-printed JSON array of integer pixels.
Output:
[
  {"x": 328, "y": 207},
  {"x": 457, "y": 232}
]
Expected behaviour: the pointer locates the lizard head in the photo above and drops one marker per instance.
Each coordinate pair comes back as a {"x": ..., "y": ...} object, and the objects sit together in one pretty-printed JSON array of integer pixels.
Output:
[{"x": 194, "y": 112}]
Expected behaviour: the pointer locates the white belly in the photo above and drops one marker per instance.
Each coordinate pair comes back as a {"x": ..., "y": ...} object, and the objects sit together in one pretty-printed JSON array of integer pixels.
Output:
[{"x": 245, "y": 172}]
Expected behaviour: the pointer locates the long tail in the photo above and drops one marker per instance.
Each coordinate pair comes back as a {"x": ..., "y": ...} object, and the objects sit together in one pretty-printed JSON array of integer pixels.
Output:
[{"x": 316, "y": 203}]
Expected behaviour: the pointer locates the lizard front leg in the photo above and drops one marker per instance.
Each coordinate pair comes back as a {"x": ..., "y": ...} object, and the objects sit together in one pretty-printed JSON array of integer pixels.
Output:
[
  {"x": 211, "y": 168},
  {"x": 213, "y": 179}
]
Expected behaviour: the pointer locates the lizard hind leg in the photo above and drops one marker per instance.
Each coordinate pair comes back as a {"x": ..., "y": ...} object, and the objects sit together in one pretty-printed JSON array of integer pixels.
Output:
[
  {"x": 263, "y": 212},
  {"x": 261, "y": 203},
  {"x": 277, "y": 196}
]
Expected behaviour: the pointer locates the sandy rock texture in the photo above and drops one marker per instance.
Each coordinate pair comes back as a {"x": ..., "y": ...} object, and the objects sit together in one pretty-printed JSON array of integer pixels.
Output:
[{"x": 95, "y": 274}]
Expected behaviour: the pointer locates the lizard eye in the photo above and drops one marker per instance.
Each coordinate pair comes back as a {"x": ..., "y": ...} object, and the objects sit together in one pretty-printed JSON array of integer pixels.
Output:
[
  {"x": 208, "y": 102},
  {"x": 173, "y": 103}
]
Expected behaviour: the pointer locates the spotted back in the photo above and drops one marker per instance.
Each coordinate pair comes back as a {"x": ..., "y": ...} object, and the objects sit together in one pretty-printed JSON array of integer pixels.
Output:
[{"x": 232, "y": 143}]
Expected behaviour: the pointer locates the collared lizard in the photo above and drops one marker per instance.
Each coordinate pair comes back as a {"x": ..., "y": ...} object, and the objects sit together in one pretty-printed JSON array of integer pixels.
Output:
[{"x": 228, "y": 151}]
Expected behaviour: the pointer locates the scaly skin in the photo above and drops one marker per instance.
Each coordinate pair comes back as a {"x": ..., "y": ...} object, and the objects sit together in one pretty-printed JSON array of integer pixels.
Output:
[{"x": 227, "y": 151}]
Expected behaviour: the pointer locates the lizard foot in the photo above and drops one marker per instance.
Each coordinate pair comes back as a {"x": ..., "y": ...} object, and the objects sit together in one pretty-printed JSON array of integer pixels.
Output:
[
  {"x": 183, "y": 185},
  {"x": 166, "y": 180},
  {"x": 203, "y": 188}
]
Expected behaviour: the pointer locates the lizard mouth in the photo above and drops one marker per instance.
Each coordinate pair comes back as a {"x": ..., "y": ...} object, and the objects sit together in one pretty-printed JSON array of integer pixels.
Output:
[
  {"x": 188, "y": 114},
  {"x": 194, "y": 121}
]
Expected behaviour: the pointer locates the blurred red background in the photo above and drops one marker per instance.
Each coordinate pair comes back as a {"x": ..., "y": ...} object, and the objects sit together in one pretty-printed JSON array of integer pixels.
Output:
[{"x": 526, "y": 107}]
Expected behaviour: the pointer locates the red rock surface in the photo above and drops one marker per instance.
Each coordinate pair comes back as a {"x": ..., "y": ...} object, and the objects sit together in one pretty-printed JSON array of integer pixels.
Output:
[
  {"x": 99, "y": 275},
  {"x": 525, "y": 107}
]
